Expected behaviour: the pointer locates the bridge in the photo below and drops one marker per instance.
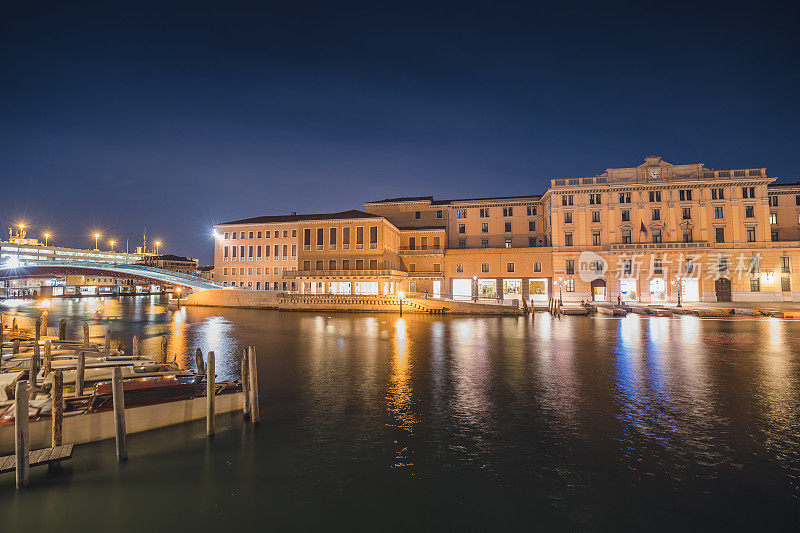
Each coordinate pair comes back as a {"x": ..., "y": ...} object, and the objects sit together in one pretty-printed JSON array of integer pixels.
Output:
[{"x": 27, "y": 269}]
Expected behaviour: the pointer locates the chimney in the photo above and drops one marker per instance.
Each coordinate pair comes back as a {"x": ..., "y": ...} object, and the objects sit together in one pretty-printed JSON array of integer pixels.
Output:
[{"x": 293, "y": 213}]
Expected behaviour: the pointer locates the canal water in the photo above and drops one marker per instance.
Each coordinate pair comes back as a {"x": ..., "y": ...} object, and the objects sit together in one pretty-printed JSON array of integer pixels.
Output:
[{"x": 447, "y": 423}]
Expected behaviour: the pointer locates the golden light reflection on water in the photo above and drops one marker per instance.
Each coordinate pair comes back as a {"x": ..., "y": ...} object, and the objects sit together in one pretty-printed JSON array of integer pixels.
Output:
[{"x": 400, "y": 394}]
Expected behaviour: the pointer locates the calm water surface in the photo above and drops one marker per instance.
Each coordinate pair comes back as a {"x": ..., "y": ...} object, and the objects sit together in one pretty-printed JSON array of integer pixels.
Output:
[{"x": 419, "y": 423}]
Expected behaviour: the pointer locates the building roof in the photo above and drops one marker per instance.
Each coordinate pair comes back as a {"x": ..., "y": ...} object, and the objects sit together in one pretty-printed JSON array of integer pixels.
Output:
[
  {"x": 795, "y": 184},
  {"x": 403, "y": 199},
  {"x": 342, "y": 215},
  {"x": 416, "y": 199},
  {"x": 169, "y": 257}
]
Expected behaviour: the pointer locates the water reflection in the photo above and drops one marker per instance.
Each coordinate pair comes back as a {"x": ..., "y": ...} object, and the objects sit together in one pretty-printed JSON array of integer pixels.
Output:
[{"x": 400, "y": 395}]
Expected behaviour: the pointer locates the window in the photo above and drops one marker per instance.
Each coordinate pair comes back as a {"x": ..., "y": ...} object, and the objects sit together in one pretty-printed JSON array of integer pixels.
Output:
[
  {"x": 346, "y": 238},
  {"x": 294, "y": 236},
  {"x": 439, "y": 213},
  {"x": 773, "y": 218},
  {"x": 685, "y": 195},
  {"x": 359, "y": 237},
  {"x": 717, "y": 194},
  {"x": 306, "y": 265},
  {"x": 333, "y": 239},
  {"x": 537, "y": 266},
  {"x": 773, "y": 201},
  {"x": 417, "y": 215},
  {"x": 531, "y": 241},
  {"x": 345, "y": 264},
  {"x": 461, "y": 213},
  {"x": 226, "y": 233},
  {"x": 241, "y": 253},
  {"x": 755, "y": 285},
  {"x": 484, "y": 243},
  {"x": 320, "y": 238},
  {"x": 569, "y": 285},
  {"x": 462, "y": 228},
  {"x": 485, "y": 227},
  {"x": 459, "y": 267},
  {"x": 233, "y": 235},
  {"x": 508, "y": 211},
  {"x": 656, "y": 236},
  {"x": 749, "y": 211},
  {"x": 373, "y": 237},
  {"x": 275, "y": 234},
  {"x": 360, "y": 265},
  {"x": 626, "y": 236},
  {"x": 656, "y": 214},
  {"x": 484, "y": 212},
  {"x": 595, "y": 216},
  {"x": 626, "y": 215},
  {"x": 531, "y": 225},
  {"x": 485, "y": 268},
  {"x": 567, "y": 217},
  {"x": 462, "y": 243},
  {"x": 627, "y": 267},
  {"x": 532, "y": 209},
  {"x": 786, "y": 284},
  {"x": 751, "y": 234},
  {"x": 225, "y": 253},
  {"x": 566, "y": 199},
  {"x": 655, "y": 196},
  {"x": 748, "y": 192},
  {"x": 241, "y": 235},
  {"x": 657, "y": 266},
  {"x": 285, "y": 234},
  {"x": 687, "y": 235},
  {"x": 250, "y": 235},
  {"x": 318, "y": 265},
  {"x": 508, "y": 227},
  {"x": 568, "y": 239},
  {"x": 687, "y": 213},
  {"x": 624, "y": 197},
  {"x": 332, "y": 264},
  {"x": 595, "y": 199},
  {"x": 796, "y": 202},
  {"x": 722, "y": 264},
  {"x": 267, "y": 234},
  {"x": 225, "y": 271},
  {"x": 774, "y": 235},
  {"x": 785, "y": 265},
  {"x": 755, "y": 265},
  {"x": 508, "y": 243},
  {"x": 718, "y": 212},
  {"x": 569, "y": 266},
  {"x": 595, "y": 238},
  {"x": 436, "y": 243},
  {"x": 510, "y": 268},
  {"x": 285, "y": 250}
]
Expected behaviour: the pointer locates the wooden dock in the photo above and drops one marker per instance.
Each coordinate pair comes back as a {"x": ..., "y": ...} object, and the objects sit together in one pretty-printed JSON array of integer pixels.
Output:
[{"x": 44, "y": 456}]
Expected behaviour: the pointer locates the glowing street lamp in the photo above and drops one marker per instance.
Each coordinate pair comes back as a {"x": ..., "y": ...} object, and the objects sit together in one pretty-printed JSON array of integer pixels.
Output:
[
  {"x": 178, "y": 294},
  {"x": 677, "y": 282},
  {"x": 158, "y": 243},
  {"x": 401, "y": 295},
  {"x": 560, "y": 285},
  {"x": 112, "y": 243},
  {"x": 46, "y": 236},
  {"x": 96, "y": 236}
]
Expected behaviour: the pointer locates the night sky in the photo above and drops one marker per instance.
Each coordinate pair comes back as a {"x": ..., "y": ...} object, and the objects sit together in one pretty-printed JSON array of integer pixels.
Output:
[{"x": 175, "y": 115}]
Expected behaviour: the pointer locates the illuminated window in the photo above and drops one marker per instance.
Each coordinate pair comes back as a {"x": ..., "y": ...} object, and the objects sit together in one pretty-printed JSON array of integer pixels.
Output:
[
  {"x": 485, "y": 268},
  {"x": 459, "y": 267}
]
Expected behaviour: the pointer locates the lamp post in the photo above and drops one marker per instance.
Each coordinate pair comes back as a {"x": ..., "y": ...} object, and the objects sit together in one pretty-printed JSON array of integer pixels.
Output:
[
  {"x": 475, "y": 288},
  {"x": 401, "y": 295},
  {"x": 46, "y": 236},
  {"x": 96, "y": 236},
  {"x": 560, "y": 285},
  {"x": 677, "y": 283},
  {"x": 112, "y": 243},
  {"x": 158, "y": 243},
  {"x": 178, "y": 294}
]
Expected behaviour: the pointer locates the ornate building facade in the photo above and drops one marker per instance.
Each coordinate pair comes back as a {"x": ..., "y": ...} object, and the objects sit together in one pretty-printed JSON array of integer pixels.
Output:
[{"x": 644, "y": 233}]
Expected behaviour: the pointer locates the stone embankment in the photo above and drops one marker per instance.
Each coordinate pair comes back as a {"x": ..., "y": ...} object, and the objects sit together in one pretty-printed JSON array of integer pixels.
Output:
[{"x": 347, "y": 303}]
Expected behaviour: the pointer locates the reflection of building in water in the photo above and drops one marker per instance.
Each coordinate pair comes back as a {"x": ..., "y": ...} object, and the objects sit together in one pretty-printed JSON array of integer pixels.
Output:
[{"x": 640, "y": 233}]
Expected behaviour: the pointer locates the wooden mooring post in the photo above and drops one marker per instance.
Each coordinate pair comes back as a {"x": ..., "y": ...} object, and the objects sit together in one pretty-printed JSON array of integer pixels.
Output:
[
  {"x": 85, "y": 334},
  {"x": 107, "y": 346},
  {"x": 44, "y": 323},
  {"x": 48, "y": 358},
  {"x": 37, "y": 327},
  {"x": 62, "y": 330},
  {"x": 252, "y": 367},
  {"x": 163, "y": 354},
  {"x": 80, "y": 369},
  {"x": 22, "y": 441},
  {"x": 210, "y": 382},
  {"x": 136, "y": 346},
  {"x": 245, "y": 383},
  {"x": 57, "y": 418},
  {"x": 119, "y": 413},
  {"x": 34, "y": 368},
  {"x": 198, "y": 362},
  {"x": 15, "y": 347}
]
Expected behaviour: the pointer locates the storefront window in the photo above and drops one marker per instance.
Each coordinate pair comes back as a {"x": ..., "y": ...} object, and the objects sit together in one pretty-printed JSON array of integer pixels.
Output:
[{"x": 487, "y": 288}]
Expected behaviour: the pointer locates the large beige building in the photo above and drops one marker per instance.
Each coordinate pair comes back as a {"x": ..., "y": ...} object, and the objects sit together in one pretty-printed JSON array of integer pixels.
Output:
[{"x": 638, "y": 234}]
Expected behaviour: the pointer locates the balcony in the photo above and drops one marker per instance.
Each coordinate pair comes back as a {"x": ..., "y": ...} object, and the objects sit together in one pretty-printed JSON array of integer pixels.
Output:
[
  {"x": 659, "y": 246},
  {"x": 435, "y": 274},
  {"x": 421, "y": 251},
  {"x": 299, "y": 274}
]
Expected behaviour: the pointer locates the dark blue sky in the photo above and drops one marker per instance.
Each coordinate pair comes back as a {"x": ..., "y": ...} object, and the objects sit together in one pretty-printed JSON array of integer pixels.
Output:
[{"x": 175, "y": 115}]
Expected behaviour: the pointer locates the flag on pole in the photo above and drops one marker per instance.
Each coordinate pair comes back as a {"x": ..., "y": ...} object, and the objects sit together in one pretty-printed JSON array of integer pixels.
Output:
[{"x": 642, "y": 228}]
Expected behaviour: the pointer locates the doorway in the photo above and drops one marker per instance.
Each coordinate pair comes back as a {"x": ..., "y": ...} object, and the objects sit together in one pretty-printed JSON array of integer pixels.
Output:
[
  {"x": 722, "y": 286},
  {"x": 599, "y": 290}
]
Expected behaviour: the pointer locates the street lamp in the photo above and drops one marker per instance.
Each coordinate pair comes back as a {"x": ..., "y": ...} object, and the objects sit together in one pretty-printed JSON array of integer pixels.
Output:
[
  {"x": 677, "y": 281},
  {"x": 96, "y": 236},
  {"x": 178, "y": 294},
  {"x": 112, "y": 243},
  {"x": 401, "y": 295},
  {"x": 158, "y": 243},
  {"x": 560, "y": 285},
  {"x": 46, "y": 236},
  {"x": 475, "y": 288}
]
